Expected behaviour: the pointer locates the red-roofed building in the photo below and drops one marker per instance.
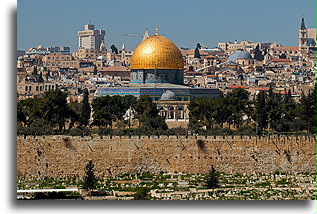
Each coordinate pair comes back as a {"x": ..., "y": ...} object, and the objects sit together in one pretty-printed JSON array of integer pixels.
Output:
[
  {"x": 282, "y": 61},
  {"x": 236, "y": 86},
  {"x": 119, "y": 71}
]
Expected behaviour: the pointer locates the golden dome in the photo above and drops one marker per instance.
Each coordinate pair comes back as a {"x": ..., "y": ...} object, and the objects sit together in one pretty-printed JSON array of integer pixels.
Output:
[{"x": 157, "y": 52}]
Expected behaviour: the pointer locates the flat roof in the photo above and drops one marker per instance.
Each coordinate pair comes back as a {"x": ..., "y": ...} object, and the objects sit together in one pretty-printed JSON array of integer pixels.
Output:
[{"x": 46, "y": 190}]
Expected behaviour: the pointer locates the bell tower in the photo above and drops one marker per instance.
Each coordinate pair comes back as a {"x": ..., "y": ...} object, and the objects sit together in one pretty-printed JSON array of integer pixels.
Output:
[{"x": 302, "y": 36}]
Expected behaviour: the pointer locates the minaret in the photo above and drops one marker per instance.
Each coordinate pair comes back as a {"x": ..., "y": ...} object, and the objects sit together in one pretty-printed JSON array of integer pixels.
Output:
[
  {"x": 123, "y": 54},
  {"x": 146, "y": 35}
]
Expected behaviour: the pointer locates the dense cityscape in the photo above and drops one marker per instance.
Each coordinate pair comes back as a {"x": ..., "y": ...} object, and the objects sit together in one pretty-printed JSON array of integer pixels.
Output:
[{"x": 238, "y": 95}]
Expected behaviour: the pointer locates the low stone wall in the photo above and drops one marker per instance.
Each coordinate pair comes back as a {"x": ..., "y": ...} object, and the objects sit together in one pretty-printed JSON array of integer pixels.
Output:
[{"x": 59, "y": 156}]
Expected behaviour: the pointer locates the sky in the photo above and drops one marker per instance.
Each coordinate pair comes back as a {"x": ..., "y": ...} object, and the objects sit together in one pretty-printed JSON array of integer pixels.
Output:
[{"x": 185, "y": 22}]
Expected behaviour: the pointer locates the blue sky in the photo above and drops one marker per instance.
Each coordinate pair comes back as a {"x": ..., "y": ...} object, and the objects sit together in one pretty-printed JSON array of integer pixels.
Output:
[{"x": 56, "y": 22}]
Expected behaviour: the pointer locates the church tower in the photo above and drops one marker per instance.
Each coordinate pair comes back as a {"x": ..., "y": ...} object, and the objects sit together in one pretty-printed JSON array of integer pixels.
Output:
[{"x": 302, "y": 36}]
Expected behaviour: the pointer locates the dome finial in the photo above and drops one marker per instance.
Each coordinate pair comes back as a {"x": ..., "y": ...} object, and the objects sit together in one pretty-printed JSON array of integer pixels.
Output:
[{"x": 156, "y": 30}]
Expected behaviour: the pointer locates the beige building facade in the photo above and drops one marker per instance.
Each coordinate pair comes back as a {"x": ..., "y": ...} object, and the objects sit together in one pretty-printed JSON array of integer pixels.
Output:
[
  {"x": 90, "y": 38},
  {"x": 60, "y": 60}
]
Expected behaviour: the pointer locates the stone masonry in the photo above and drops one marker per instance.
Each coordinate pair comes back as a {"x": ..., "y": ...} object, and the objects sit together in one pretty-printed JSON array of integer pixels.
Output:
[{"x": 66, "y": 156}]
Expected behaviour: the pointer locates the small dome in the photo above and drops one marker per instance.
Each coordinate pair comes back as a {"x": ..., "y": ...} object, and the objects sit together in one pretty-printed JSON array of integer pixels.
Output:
[
  {"x": 39, "y": 47},
  {"x": 168, "y": 95},
  {"x": 239, "y": 55},
  {"x": 101, "y": 57}
]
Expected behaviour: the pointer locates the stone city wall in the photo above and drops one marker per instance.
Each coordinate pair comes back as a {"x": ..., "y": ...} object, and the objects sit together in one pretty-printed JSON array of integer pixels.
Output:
[{"x": 55, "y": 156}]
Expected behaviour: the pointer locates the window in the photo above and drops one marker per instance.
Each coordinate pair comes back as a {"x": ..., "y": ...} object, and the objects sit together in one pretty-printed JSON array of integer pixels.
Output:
[
  {"x": 37, "y": 88},
  {"x": 40, "y": 88}
]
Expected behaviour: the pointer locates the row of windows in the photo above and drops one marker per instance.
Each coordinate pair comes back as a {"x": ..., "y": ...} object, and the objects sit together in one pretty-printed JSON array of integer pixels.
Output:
[
  {"x": 61, "y": 62},
  {"x": 40, "y": 88},
  {"x": 63, "y": 58},
  {"x": 286, "y": 52}
]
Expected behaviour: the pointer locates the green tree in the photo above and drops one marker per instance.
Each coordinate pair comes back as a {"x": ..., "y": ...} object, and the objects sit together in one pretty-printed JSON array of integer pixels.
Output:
[
  {"x": 102, "y": 111},
  {"x": 86, "y": 110},
  {"x": 147, "y": 114},
  {"x": 55, "y": 109},
  {"x": 145, "y": 108},
  {"x": 114, "y": 49},
  {"x": 288, "y": 97},
  {"x": 239, "y": 93},
  {"x": 110, "y": 108},
  {"x": 237, "y": 102},
  {"x": 197, "y": 53},
  {"x": 35, "y": 71},
  {"x": 308, "y": 111},
  {"x": 201, "y": 112},
  {"x": 142, "y": 194},
  {"x": 40, "y": 79},
  {"x": 271, "y": 94},
  {"x": 261, "y": 116},
  {"x": 90, "y": 180},
  {"x": 212, "y": 180},
  {"x": 28, "y": 111}
]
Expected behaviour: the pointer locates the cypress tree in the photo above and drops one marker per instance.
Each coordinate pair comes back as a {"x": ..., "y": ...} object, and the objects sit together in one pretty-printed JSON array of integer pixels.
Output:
[
  {"x": 197, "y": 54},
  {"x": 271, "y": 95},
  {"x": 85, "y": 111},
  {"x": 90, "y": 180},
  {"x": 261, "y": 113},
  {"x": 212, "y": 179}
]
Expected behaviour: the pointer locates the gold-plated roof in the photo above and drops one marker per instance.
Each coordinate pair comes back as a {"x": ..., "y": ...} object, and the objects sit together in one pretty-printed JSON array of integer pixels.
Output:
[{"x": 157, "y": 52}]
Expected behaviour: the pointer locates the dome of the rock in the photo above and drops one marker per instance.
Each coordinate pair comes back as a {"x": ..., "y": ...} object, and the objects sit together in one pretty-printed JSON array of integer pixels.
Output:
[
  {"x": 157, "y": 52},
  {"x": 157, "y": 60}
]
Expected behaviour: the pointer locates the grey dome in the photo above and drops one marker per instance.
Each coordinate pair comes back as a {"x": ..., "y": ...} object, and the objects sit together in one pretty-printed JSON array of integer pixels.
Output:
[
  {"x": 168, "y": 95},
  {"x": 239, "y": 55}
]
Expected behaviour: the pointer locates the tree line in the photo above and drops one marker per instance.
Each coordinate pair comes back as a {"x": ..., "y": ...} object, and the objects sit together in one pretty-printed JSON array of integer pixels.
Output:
[
  {"x": 233, "y": 113},
  {"x": 268, "y": 112},
  {"x": 51, "y": 114}
]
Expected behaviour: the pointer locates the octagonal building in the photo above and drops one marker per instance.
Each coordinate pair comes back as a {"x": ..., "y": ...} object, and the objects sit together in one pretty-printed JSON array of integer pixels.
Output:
[{"x": 157, "y": 66}]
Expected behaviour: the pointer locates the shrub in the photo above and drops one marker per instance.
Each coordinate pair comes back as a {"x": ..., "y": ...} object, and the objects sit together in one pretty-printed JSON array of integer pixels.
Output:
[
  {"x": 104, "y": 131},
  {"x": 80, "y": 131},
  {"x": 39, "y": 127},
  {"x": 246, "y": 130}
]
